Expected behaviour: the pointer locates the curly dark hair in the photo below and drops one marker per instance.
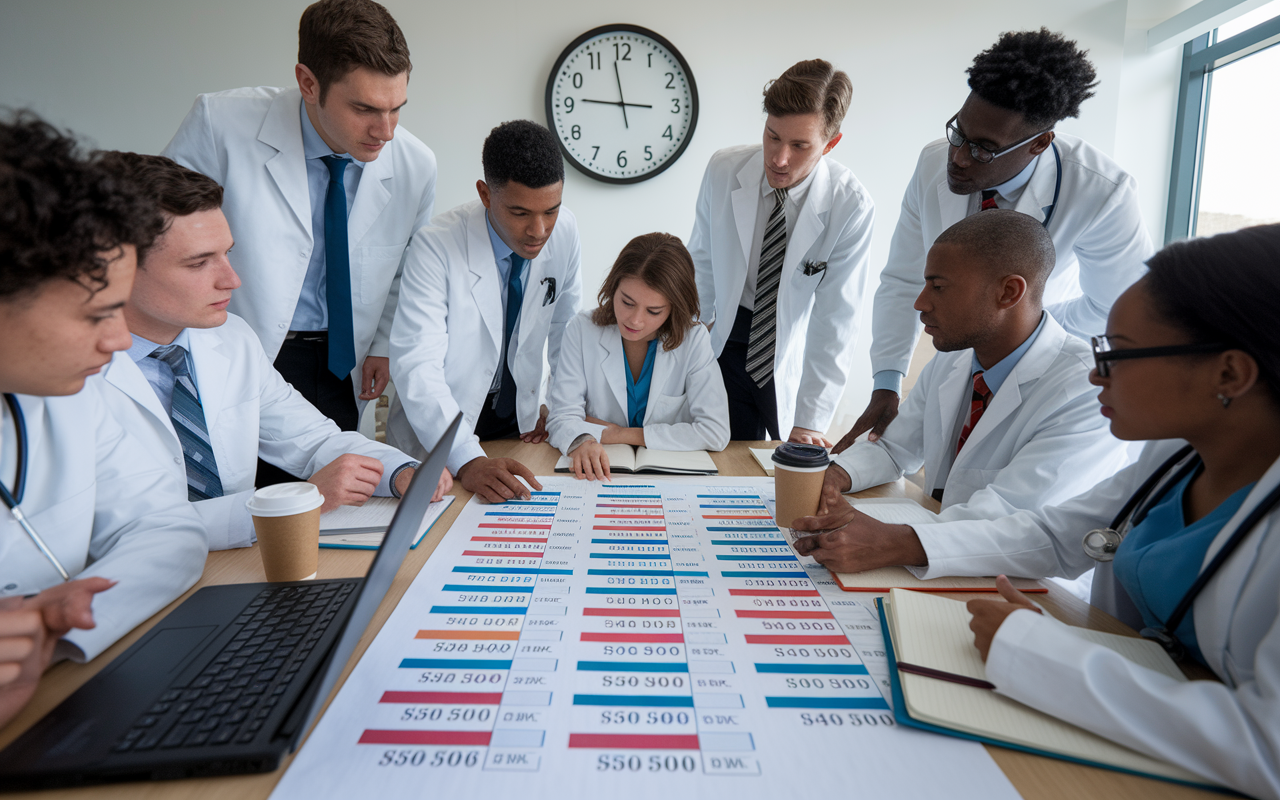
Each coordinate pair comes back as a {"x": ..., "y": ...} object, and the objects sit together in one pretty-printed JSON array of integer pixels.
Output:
[
  {"x": 1039, "y": 74},
  {"x": 524, "y": 152},
  {"x": 61, "y": 214}
]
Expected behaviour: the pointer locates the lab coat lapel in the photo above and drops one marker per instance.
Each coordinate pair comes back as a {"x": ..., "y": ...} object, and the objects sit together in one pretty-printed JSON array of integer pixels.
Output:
[
  {"x": 952, "y": 207},
  {"x": 1039, "y": 192},
  {"x": 534, "y": 292},
  {"x": 953, "y": 390},
  {"x": 213, "y": 371},
  {"x": 746, "y": 201},
  {"x": 372, "y": 195},
  {"x": 126, "y": 376},
  {"x": 808, "y": 228},
  {"x": 613, "y": 362},
  {"x": 282, "y": 129},
  {"x": 1003, "y": 404},
  {"x": 484, "y": 276},
  {"x": 663, "y": 364}
]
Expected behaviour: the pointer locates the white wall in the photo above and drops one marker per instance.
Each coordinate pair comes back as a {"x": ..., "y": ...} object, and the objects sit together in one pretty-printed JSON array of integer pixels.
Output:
[{"x": 125, "y": 72}]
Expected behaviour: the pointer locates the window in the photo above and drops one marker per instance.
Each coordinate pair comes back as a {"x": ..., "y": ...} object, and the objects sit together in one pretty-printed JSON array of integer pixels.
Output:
[{"x": 1225, "y": 165}]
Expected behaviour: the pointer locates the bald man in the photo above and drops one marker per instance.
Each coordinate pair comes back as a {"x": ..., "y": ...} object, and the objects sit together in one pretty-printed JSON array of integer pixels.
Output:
[{"x": 1002, "y": 419}]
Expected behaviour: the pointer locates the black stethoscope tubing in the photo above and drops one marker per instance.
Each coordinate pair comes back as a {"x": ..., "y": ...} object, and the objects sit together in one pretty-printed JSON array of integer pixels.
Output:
[
  {"x": 20, "y": 478},
  {"x": 1057, "y": 187}
]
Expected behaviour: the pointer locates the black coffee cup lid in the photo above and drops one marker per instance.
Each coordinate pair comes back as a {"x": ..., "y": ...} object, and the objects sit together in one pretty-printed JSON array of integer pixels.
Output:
[{"x": 801, "y": 456}]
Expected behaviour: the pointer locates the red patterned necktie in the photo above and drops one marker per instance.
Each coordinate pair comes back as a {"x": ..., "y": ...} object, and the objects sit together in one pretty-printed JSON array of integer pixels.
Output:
[
  {"x": 977, "y": 404},
  {"x": 988, "y": 200}
]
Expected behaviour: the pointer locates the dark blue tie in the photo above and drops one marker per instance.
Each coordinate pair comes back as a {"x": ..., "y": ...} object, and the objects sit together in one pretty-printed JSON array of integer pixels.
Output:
[
  {"x": 337, "y": 262},
  {"x": 187, "y": 414},
  {"x": 506, "y": 403}
]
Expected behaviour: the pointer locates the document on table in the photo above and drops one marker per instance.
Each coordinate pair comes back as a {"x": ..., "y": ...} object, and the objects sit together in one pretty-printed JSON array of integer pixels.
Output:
[
  {"x": 362, "y": 527},
  {"x": 631, "y": 640}
]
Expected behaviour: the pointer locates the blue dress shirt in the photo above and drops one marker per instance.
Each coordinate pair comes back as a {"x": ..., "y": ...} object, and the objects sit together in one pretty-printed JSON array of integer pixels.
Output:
[
  {"x": 996, "y": 376},
  {"x": 502, "y": 256},
  {"x": 638, "y": 388},
  {"x": 312, "y": 311},
  {"x": 1161, "y": 557},
  {"x": 158, "y": 373}
]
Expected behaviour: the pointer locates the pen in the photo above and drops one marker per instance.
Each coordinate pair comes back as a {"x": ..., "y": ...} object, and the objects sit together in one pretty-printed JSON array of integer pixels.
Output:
[
  {"x": 31, "y": 532},
  {"x": 929, "y": 672}
]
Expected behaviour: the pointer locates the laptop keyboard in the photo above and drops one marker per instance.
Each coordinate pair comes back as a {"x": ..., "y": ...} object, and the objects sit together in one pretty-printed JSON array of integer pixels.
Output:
[{"x": 230, "y": 700}]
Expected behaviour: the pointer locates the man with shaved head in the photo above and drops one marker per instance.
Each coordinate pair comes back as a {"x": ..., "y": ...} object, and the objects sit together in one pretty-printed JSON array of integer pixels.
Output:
[{"x": 1002, "y": 419}]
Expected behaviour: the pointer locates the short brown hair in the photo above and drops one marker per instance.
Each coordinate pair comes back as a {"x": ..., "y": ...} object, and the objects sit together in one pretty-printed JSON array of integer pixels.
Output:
[
  {"x": 175, "y": 190},
  {"x": 811, "y": 87},
  {"x": 337, "y": 36},
  {"x": 663, "y": 263}
]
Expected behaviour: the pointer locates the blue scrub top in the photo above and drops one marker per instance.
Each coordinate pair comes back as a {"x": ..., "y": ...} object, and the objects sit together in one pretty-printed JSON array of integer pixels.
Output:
[
  {"x": 1161, "y": 557},
  {"x": 638, "y": 390}
]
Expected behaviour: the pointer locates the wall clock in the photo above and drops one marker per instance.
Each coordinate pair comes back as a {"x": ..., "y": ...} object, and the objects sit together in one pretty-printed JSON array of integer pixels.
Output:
[{"x": 623, "y": 103}]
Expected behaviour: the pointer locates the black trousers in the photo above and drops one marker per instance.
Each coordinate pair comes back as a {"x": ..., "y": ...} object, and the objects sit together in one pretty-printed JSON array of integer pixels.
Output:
[
  {"x": 490, "y": 426},
  {"x": 304, "y": 363},
  {"x": 753, "y": 410}
]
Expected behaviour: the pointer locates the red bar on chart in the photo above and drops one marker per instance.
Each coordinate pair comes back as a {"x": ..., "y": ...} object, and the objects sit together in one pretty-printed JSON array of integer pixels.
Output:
[
  {"x": 458, "y": 698},
  {"x": 784, "y": 614},
  {"x": 773, "y": 592},
  {"x": 647, "y": 638},
  {"x": 798, "y": 639},
  {"x": 480, "y": 738},
  {"x": 488, "y": 635},
  {"x": 633, "y": 741},
  {"x": 632, "y": 612}
]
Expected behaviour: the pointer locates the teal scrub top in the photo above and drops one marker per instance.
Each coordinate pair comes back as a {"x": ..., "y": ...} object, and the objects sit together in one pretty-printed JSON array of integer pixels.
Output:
[{"x": 638, "y": 390}]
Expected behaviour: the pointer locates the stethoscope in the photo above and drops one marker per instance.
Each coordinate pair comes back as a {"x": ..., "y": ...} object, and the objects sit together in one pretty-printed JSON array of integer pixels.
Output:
[
  {"x": 20, "y": 486},
  {"x": 1057, "y": 187},
  {"x": 1102, "y": 544}
]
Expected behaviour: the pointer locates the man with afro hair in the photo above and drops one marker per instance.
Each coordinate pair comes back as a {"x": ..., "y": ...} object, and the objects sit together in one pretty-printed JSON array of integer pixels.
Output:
[
  {"x": 1001, "y": 151},
  {"x": 488, "y": 287}
]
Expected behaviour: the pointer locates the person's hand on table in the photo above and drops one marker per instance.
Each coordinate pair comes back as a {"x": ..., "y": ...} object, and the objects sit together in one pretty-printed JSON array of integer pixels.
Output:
[
  {"x": 989, "y": 615},
  {"x": 539, "y": 433},
  {"x": 882, "y": 410},
  {"x": 590, "y": 461},
  {"x": 348, "y": 480},
  {"x": 854, "y": 542},
  {"x": 806, "y": 436},
  {"x": 30, "y": 629},
  {"x": 442, "y": 486},
  {"x": 834, "y": 484},
  {"x": 495, "y": 479}
]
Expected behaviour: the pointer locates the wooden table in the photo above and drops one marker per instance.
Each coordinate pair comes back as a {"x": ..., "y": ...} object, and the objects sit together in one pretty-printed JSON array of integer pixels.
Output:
[{"x": 1033, "y": 776}]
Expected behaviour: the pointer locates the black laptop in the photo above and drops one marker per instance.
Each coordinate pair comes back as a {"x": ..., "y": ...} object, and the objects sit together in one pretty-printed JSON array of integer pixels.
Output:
[{"x": 224, "y": 685}]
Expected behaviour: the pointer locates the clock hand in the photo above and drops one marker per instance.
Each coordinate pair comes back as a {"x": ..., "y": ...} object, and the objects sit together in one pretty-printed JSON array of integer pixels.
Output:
[
  {"x": 615, "y": 103},
  {"x": 622, "y": 101}
]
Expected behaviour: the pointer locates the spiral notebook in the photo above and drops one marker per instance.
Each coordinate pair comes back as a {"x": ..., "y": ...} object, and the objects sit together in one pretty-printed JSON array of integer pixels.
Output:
[{"x": 362, "y": 527}]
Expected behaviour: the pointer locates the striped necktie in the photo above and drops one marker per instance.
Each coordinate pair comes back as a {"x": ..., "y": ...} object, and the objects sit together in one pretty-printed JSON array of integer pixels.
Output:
[
  {"x": 978, "y": 403},
  {"x": 764, "y": 319},
  {"x": 188, "y": 420}
]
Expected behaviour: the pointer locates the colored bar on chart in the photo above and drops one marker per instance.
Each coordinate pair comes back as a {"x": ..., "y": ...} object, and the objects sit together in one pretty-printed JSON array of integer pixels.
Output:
[
  {"x": 480, "y": 738},
  {"x": 629, "y": 505},
  {"x": 517, "y": 514},
  {"x": 514, "y": 527},
  {"x": 507, "y": 636},
  {"x": 642, "y": 528},
  {"x": 783, "y": 614},
  {"x": 687, "y": 574},
  {"x": 633, "y": 741},
  {"x": 458, "y": 587},
  {"x": 639, "y": 638},
  {"x": 737, "y": 516},
  {"x": 657, "y": 497},
  {"x": 606, "y": 590},
  {"x": 514, "y": 570},
  {"x": 629, "y": 541},
  {"x": 743, "y": 528},
  {"x": 522, "y": 540},
  {"x": 812, "y": 669},
  {"x": 753, "y": 638},
  {"x": 632, "y": 612},
  {"x": 633, "y": 666},
  {"x": 761, "y": 574},
  {"x": 653, "y": 701},
  {"x": 645, "y": 517},
  {"x": 749, "y": 542},
  {"x": 454, "y": 663},
  {"x": 865, "y": 703},
  {"x": 773, "y": 592},
  {"x": 756, "y": 558},
  {"x": 625, "y": 556},
  {"x": 630, "y": 572},
  {"x": 454, "y": 698},
  {"x": 729, "y": 497},
  {"x": 479, "y": 609},
  {"x": 504, "y": 553}
]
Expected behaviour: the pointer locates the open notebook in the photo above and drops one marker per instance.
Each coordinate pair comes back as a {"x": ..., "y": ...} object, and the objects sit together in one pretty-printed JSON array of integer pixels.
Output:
[
  {"x": 362, "y": 527},
  {"x": 626, "y": 458},
  {"x": 933, "y": 632},
  {"x": 900, "y": 511}
]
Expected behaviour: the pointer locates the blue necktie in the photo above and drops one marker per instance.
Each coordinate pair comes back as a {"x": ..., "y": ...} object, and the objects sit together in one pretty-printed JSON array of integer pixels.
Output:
[
  {"x": 337, "y": 261},
  {"x": 188, "y": 420},
  {"x": 505, "y": 406}
]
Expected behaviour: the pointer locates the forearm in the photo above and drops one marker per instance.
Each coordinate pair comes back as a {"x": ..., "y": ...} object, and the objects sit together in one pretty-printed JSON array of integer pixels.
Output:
[{"x": 616, "y": 435}]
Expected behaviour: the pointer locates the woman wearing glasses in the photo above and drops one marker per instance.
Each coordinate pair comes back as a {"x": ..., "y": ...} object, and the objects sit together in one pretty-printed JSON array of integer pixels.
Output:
[{"x": 1183, "y": 539}]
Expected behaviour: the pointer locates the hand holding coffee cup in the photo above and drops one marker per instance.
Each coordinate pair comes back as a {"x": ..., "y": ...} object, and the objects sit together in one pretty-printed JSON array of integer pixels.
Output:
[
  {"x": 798, "y": 473},
  {"x": 286, "y": 518}
]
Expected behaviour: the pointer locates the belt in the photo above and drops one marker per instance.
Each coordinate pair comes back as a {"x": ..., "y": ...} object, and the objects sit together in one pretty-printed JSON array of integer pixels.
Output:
[{"x": 307, "y": 336}]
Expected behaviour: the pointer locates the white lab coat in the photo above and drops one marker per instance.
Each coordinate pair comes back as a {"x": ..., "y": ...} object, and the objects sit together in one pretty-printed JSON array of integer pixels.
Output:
[
  {"x": 817, "y": 315},
  {"x": 106, "y": 507},
  {"x": 1041, "y": 440},
  {"x": 250, "y": 141},
  {"x": 250, "y": 411},
  {"x": 687, "y": 409},
  {"x": 446, "y": 343},
  {"x": 1097, "y": 232},
  {"x": 1228, "y": 732}
]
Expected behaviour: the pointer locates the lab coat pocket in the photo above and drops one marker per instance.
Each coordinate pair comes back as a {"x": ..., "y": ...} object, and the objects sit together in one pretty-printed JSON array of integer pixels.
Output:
[
  {"x": 377, "y": 269},
  {"x": 805, "y": 285},
  {"x": 666, "y": 409}
]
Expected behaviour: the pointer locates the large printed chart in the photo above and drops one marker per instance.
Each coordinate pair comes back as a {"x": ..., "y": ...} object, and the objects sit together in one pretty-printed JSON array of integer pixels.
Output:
[{"x": 629, "y": 640}]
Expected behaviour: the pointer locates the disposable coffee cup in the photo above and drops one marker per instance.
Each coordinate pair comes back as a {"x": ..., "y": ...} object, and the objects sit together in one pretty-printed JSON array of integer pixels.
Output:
[
  {"x": 286, "y": 518},
  {"x": 798, "y": 472}
]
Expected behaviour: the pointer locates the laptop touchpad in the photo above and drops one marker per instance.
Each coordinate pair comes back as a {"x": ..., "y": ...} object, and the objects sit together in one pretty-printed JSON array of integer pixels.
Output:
[{"x": 168, "y": 650}]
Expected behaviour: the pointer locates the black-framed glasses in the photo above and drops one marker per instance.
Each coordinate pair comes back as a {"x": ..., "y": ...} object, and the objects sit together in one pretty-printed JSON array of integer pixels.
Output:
[
  {"x": 981, "y": 154},
  {"x": 1103, "y": 355}
]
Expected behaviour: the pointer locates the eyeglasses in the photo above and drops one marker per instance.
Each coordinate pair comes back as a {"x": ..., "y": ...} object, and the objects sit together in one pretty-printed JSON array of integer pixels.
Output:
[
  {"x": 981, "y": 154},
  {"x": 1103, "y": 355}
]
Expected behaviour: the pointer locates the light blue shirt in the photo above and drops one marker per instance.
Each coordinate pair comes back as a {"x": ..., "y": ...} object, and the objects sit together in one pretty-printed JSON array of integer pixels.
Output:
[
  {"x": 312, "y": 311},
  {"x": 995, "y": 377},
  {"x": 502, "y": 256},
  {"x": 158, "y": 373},
  {"x": 638, "y": 388},
  {"x": 1008, "y": 191}
]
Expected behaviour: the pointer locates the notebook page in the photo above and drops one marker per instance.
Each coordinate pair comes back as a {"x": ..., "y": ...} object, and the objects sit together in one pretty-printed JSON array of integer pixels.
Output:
[
  {"x": 936, "y": 633},
  {"x": 887, "y": 578},
  {"x": 374, "y": 515},
  {"x": 687, "y": 461},
  {"x": 621, "y": 457},
  {"x": 895, "y": 510},
  {"x": 763, "y": 457}
]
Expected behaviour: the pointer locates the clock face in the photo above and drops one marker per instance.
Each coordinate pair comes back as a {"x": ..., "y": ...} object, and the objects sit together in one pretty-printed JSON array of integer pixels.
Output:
[{"x": 622, "y": 101}]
